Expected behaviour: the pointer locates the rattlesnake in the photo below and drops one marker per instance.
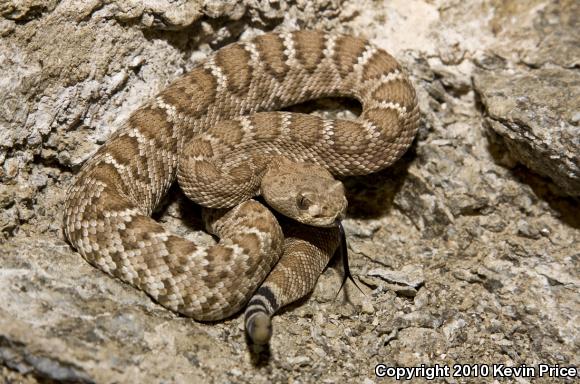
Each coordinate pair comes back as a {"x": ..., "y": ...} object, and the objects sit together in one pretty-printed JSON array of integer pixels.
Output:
[{"x": 207, "y": 123}]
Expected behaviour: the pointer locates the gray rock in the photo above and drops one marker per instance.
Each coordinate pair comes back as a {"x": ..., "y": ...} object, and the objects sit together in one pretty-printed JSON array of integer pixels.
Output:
[
  {"x": 409, "y": 275},
  {"x": 533, "y": 111}
]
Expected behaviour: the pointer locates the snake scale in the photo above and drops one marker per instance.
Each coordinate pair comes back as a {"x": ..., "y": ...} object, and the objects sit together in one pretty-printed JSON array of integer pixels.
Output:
[{"x": 209, "y": 129}]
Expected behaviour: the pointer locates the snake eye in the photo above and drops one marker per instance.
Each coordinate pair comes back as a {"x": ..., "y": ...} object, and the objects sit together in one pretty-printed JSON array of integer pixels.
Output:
[{"x": 303, "y": 202}]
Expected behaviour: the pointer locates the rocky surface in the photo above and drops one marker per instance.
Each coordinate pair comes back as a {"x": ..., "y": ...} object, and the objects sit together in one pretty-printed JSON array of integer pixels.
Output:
[
  {"x": 537, "y": 114},
  {"x": 467, "y": 250}
]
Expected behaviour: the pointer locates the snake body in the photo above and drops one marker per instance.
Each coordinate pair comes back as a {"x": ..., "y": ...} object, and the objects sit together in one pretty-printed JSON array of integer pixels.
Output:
[{"x": 207, "y": 124}]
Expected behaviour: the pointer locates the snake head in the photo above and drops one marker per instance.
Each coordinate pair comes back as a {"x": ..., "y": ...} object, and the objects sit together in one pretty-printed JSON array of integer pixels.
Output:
[{"x": 307, "y": 193}]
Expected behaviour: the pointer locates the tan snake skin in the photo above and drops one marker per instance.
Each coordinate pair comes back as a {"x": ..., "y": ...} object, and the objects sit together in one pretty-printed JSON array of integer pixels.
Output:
[{"x": 108, "y": 208}]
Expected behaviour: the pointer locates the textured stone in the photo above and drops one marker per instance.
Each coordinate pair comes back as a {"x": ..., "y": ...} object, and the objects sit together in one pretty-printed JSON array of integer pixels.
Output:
[
  {"x": 533, "y": 111},
  {"x": 409, "y": 275}
]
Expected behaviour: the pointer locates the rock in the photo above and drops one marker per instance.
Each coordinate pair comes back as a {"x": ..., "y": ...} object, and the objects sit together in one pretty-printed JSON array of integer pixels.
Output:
[
  {"x": 26, "y": 10},
  {"x": 556, "y": 275},
  {"x": 452, "y": 328},
  {"x": 424, "y": 206},
  {"x": 299, "y": 361},
  {"x": 160, "y": 14},
  {"x": 368, "y": 308},
  {"x": 409, "y": 275},
  {"x": 533, "y": 111},
  {"x": 415, "y": 345}
]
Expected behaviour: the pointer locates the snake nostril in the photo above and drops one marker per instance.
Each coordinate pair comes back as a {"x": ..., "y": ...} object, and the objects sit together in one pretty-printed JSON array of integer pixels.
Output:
[{"x": 322, "y": 211}]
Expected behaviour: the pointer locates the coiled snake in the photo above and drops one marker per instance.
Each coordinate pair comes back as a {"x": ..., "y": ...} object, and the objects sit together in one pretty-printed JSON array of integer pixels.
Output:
[{"x": 208, "y": 130}]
